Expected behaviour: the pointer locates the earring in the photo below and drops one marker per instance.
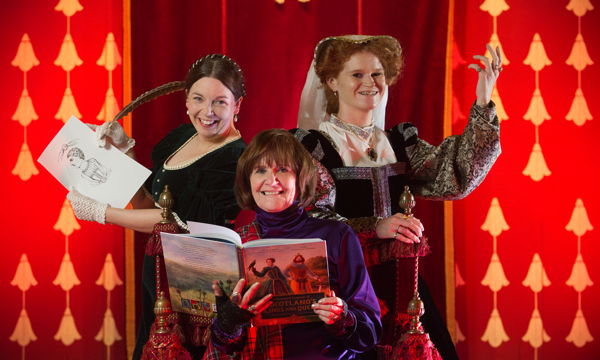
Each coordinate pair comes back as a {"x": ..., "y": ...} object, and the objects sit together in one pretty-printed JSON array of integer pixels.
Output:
[
  {"x": 335, "y": 93},
  {"x": 188, "y": 112},
  {"x": 235, "y": 118}
]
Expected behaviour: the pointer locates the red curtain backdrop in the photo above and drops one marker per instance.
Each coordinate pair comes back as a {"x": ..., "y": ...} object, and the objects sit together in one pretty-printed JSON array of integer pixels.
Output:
[
  {"x": 526, "y": 297},
  {"x": 537, "y": 208},
  {"x": 274, "y": 44},
  {"x": 35, "y": 219}
]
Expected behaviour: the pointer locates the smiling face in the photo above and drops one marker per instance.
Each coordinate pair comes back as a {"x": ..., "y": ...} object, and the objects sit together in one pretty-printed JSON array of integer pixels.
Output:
[
  {"x": 211, "y": 107},
  {"x": 273, "y": 187},
  {"x": 360, "y": 85}
]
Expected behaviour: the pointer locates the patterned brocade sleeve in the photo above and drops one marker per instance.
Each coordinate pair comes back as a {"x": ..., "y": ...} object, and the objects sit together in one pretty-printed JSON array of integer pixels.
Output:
[{"x": 459, "y": 164}]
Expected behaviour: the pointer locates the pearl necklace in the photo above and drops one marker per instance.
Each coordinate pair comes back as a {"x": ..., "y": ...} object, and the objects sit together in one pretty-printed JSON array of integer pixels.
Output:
[{"x": 167, "y": 167}]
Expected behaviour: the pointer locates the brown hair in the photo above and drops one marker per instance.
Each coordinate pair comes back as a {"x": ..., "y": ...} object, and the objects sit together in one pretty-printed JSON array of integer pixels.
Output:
[
  {"x": 282, "y": 148},
  {"x": 220, "y": 67},
  {"x": 332, "y": 54}
]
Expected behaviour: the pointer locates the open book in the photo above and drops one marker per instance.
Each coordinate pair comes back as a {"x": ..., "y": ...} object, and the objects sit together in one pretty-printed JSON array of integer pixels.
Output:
[{"x": 295, "y": 271}]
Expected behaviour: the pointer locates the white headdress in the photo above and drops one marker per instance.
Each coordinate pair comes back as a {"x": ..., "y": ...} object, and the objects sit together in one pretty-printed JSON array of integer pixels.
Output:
[{"x": 313, "y": 102}]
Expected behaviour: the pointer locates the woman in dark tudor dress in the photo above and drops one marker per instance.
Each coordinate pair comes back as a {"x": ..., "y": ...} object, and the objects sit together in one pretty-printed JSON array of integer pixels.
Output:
[
  {"x": 197, "y": 161},
  {"x": 363, "y": 168}
]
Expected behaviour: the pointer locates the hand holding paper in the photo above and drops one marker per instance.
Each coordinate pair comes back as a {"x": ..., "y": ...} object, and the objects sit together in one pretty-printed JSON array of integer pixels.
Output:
[
  {"x": 103, "y": 174},
  {"x": 113, "y": 131},
  {"x": 86, "y": 208}
]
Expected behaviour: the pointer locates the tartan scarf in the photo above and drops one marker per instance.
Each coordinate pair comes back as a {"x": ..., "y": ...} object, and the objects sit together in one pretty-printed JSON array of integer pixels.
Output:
[{"x": 263, "y": 342}]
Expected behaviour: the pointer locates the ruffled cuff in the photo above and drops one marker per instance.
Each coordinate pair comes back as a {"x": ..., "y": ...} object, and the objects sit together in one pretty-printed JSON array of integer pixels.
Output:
[
  {"x": 385, "y": 250},
  {"x": 224, "y": 337},
  {"x": 487, "y": 112}
]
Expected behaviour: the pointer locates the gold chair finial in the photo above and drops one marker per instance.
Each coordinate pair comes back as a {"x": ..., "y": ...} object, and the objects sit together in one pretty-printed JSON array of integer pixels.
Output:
[{"x": 166, "y": 202}]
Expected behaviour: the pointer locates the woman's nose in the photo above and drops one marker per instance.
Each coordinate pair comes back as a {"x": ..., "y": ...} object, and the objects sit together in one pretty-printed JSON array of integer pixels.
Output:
[
  {"x": 272, "y": 178},
  {"x": 369, "y": 81}
]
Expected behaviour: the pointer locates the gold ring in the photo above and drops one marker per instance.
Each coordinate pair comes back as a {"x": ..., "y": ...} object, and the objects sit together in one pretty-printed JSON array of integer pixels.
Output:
[
  {"x": 479, "y": 70},
  {"x": 500, "y": 68}
]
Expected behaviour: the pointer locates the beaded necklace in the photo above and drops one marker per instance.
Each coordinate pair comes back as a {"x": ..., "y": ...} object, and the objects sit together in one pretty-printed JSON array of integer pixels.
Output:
[
  {"x": 167, "y": 167},
  {"x": 371, "y": 153}
]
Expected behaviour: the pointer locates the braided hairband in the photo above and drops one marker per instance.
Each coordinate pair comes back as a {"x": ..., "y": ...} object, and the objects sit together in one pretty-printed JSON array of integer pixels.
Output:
[{"x": 210, "y": 56}]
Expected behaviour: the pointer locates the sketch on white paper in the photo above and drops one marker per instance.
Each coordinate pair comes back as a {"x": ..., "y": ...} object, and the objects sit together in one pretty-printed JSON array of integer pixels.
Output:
[
  {"x": 104, "y": 174},
  {"x": 91, "y": 170}
]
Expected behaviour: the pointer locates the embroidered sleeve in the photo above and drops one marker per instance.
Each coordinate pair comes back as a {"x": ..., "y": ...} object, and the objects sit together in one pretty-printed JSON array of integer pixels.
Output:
[{"x": 459, "y": 164}]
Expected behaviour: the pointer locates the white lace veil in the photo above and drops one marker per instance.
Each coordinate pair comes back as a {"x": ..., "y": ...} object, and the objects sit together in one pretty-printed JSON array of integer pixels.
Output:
[{"x": 312, "y": 101}]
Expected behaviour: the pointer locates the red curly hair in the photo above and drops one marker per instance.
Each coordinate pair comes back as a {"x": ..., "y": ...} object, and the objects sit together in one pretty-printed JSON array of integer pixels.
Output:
[{"x": 331, "y": 56}]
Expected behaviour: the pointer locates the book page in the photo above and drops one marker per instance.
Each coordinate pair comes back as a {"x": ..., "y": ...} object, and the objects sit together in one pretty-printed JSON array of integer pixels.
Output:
[
  {"x": 103, "y": 174},
  {"x": 297, "y": 275},
  {"x": 199, "y": 229},
  {"x": 192, "y": 266}
]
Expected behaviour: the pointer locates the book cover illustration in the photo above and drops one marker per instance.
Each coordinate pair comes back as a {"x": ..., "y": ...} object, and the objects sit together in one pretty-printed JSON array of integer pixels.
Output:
[
  {"x": 192, "y": 267},
  {"x": 297, "y": 276},
  {"x": 293, "y": 270}
]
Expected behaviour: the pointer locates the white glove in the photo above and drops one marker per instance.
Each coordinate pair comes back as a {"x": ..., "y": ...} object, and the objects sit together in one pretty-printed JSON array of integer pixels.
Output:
[
  {"x": 86, "y": 208},
  {"x": 115, "y": 132}
]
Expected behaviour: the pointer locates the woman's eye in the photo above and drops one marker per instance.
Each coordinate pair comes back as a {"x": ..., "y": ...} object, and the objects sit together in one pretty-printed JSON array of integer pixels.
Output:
[
  {"x": 284, "y": 169},
  {"x": 260, "y": 171},
  {"x": 197, "y": 98},
  {"x": 357, "y": 75},
  {"x": 220, "y": 102},
  {"x": 377, "y": 74}
]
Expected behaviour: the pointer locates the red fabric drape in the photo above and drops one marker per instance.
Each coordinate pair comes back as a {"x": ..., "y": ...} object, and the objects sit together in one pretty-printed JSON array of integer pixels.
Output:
[
  {"x": 274, "y": 44},
  {"x": 32, "y": 207},
  {"x": 537, "y": 212}
]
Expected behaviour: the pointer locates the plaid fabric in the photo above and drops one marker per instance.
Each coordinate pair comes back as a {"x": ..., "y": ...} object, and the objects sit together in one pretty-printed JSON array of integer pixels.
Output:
[
  {"x": 250, "y": 232},
  {"x": 263, "y": 342}
]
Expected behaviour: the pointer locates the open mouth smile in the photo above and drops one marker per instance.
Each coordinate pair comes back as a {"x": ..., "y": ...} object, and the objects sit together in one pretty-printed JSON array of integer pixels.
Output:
[
  {"x": 207, "y": 122},
  {"x": 369, "y": 92},
  {"x": 271, "y": 192}
]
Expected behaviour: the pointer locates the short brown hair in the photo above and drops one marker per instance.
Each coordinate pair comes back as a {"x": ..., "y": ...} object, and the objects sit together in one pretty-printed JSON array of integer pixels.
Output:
[
  {"x": 332, "y": 55},
  {"x": 282, "y": 148}
]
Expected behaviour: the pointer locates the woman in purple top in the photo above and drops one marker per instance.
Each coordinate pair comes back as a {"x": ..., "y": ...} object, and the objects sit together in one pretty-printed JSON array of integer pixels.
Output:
[{"x": 276, "y": 178}]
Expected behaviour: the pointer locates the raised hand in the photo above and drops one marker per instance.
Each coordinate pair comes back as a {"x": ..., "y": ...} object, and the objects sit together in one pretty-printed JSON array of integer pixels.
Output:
[{"x": 488, "y": 75}]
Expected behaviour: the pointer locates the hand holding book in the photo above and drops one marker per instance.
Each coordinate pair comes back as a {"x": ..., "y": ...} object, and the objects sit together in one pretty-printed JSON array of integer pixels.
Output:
[{"x": 234, "y": 312}]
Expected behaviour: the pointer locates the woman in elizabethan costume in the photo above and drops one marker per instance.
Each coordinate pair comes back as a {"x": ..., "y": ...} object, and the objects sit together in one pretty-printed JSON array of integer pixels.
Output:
[
  {"x": 363, "y": 168},
  {"x": 276, "y": 283},
  {"x": 298, "y": 273},
  {"x": 197, "y": 161},
  {"x": 276, "y": 178}
]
